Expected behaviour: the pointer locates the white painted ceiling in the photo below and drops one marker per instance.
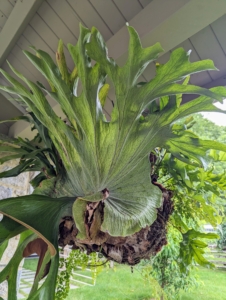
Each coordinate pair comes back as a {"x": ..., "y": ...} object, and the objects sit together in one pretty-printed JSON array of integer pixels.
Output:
[{"x": 202, "y": 31}]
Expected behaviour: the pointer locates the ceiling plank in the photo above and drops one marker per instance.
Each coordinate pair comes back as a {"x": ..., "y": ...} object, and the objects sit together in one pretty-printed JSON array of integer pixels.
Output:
[
  {"x": 32, "y": 38},
  {"x": 6, "y": 8},
  {"x": 201, "y": 42},
  {"x": 89, "y": 16},
  {"x": 56, "y": 23},
  {"x": 9, "y": 111},
  {"x": 45, "y": 32},
  {"x": 3, "y": 19},
  {"x": 67, "y": 15},
  {"x": 4, "y": 129},
  {"x": 49, "y": 36},
  {"x": 13, "y": 2},
  {"x": 218, "y": 82},
  {"x": 144, "y": 2},
  {"x": 128, "y": 8},
  {"x": 57, "y": 26},
  {"x": 219, "y": 31},
  {"x": 109, "y": 13},
  {"x": 20, "y": 16}
]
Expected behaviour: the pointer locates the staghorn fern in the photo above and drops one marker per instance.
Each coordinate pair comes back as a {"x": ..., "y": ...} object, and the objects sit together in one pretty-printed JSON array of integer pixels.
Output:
[{"x": 94, "y": 190}]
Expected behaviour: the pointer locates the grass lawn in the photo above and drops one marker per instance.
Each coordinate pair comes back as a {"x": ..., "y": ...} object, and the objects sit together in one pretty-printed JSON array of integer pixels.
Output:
[
  {"x": 121, "y": 284},
  {"x": 30, "y": 264},
  {"x": 213, "y": 286},
  {"x": 218, "y": 258},
  {"x": 118, "y": 284}
]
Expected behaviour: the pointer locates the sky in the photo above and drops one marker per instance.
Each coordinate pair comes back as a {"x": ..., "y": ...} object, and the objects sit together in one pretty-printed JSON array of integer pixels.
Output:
[{"x": 217, "y": 118}]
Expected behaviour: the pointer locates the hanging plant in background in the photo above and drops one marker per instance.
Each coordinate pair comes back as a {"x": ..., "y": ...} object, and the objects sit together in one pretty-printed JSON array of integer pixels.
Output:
[{"x": 98, "y": 187}]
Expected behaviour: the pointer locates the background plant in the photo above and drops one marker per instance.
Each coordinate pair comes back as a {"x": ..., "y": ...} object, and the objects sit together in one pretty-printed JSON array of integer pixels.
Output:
[
  {"x": 203, "y": 196},
  {"x": 69, "y": 265},
  {"x": 165, "y": 268}
]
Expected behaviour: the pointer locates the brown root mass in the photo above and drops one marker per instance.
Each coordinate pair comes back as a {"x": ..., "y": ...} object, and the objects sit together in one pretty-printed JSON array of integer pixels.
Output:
[{"x": 126, "y": 250}]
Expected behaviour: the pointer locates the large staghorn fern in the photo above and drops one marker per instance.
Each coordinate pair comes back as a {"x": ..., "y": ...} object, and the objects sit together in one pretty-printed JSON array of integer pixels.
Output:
[{"x": 94, "y": 190}]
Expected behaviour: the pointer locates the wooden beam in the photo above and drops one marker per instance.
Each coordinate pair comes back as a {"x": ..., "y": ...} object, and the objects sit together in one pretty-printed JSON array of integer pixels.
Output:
[{"x": 19, "y": 18}]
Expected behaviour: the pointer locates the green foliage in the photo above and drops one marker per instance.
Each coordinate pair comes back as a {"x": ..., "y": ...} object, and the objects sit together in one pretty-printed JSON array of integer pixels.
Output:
[
  {"x": 212, "y": 285},
  {"x": 170, "y": 267},
  {"x": 192, "y": 249},
  {"x": 49, "y": 212},
  {"x": 93, "y": 151},
  {"x": 9, "y": 273},
  {"x": 124, "y": 285},
  {"x": 30, "y": 264},
  {"x": 195, "y": 188},
  {"x": 118, "y": 283},
  {"x": 196, "y": 191},
  {"x": 145, "y": 269},
  {"x": 165, "y": 268},
  {"x": 76, "y": 258},
  {"x": 3, "y": 248},
  {"x": 208, "y": 130},
  {"x": 36, "y": 155},
  {"x": 89, "y": 154}
]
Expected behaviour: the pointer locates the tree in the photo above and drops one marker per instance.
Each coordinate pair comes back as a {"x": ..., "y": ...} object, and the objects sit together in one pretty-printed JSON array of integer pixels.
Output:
[
  {"x": 208, "y": 130},
  {"x": 98, "y": 187},
  {"x": 196, "y": 194},
  {"x": 166, "y": 263}
]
